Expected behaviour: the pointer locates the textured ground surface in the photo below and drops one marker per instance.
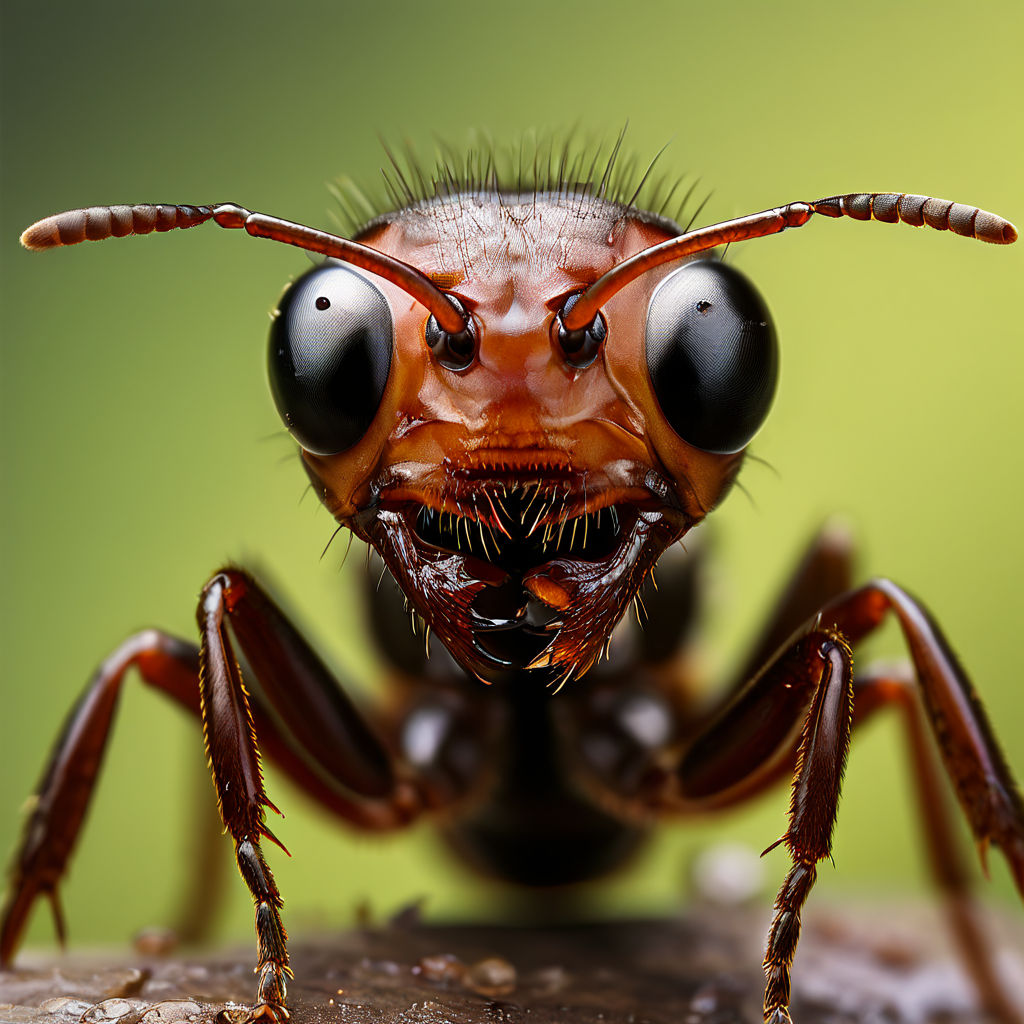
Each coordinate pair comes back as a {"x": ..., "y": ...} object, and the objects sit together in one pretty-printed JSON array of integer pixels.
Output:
[{"x": 701, "y": 969}]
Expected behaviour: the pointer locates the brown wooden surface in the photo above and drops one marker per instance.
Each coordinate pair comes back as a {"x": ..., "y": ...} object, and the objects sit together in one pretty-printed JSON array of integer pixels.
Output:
[{"x": 888, "y": 966}]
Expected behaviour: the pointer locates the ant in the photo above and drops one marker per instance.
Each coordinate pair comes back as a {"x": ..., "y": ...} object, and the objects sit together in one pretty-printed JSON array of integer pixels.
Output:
[{"x": 521, "y": 399}]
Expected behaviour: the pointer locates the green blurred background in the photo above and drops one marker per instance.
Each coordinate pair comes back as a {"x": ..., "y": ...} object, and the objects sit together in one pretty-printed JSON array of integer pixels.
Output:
[{"x": 141, "y": 449}]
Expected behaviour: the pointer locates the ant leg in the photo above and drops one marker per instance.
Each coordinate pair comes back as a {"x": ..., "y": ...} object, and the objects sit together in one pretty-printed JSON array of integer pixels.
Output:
[
  {"x": 986, "y": 790},
  {"x": 750, "y": 741},
  {"x": 801, "y": 700},
  {"x": 822, "y": 582},
  {"x": 303, "y": 692},
  {"x": 357, "y": 784},
  {"x": 62, "y": 797},
  {"x": 319, "y": 717},
  {"x": 942, "y": 844}
]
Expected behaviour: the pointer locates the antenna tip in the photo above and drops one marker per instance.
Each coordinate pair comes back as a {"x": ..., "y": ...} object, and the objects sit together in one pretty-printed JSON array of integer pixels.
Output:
[
  {"x": 990, "y": 227},
  {"x": 41, "y": 235}
]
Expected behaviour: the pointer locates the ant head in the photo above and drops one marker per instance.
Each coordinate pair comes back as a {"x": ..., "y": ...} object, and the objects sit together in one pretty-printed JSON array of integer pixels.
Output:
[{"x": 517, "y": 432}]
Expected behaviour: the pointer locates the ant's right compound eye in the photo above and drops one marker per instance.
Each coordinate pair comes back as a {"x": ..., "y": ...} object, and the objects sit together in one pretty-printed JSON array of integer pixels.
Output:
[
  {"x": 712, "y": 356},
  {"x": 330, "y": 354}
]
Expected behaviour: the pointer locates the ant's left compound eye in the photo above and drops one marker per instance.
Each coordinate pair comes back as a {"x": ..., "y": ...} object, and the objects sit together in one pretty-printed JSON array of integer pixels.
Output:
[
  {"x": 712, "y": 355},
  {"x": 329, "y": 358}
]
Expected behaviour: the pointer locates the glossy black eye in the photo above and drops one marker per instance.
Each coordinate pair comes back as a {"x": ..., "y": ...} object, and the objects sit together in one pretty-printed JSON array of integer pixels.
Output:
[
  {"x": 452, "y": 351},
  {"x": 580, "y": 348},
  {"x": 330, "y": 353},
  {"x": 711, "y": 355}
]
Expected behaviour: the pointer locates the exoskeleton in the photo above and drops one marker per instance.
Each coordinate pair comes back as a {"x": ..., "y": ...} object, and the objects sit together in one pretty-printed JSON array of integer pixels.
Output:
[{"x": 521, "y": 399}]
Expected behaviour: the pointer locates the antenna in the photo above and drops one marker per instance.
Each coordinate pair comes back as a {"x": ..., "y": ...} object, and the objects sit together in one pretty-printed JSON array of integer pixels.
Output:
[
  {"x": 888, "y": 207},
  {"x": 95, "y": 223}
]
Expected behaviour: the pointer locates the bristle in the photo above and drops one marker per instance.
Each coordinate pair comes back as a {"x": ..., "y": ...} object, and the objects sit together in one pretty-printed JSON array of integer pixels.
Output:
[
  {"x": 409, "y": 194},
  {"x": 586, "y": 171},
  {"x": 390, "y": 191},
  {"x": 602, "y": 188},
  {"x": 696, "y": 213},
  {"x": 684, "y": 203},
  {"x": 532, "y": 522}
]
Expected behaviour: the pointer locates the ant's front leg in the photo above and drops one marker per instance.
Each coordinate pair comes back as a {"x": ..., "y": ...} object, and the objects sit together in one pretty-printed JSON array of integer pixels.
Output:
[
  {"x": 315, "y": 734},
  {"x": 800, "y": 709}
]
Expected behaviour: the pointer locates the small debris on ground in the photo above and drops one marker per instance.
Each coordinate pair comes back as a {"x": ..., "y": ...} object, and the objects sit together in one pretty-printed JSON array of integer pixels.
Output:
[{"x": 703, "y": 968}]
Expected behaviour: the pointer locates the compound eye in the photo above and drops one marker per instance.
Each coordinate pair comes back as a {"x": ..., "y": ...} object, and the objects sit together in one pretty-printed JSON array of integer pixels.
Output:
[
  {"x": 711, "y": 355},
  {"x": 330, "y": 354}
]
